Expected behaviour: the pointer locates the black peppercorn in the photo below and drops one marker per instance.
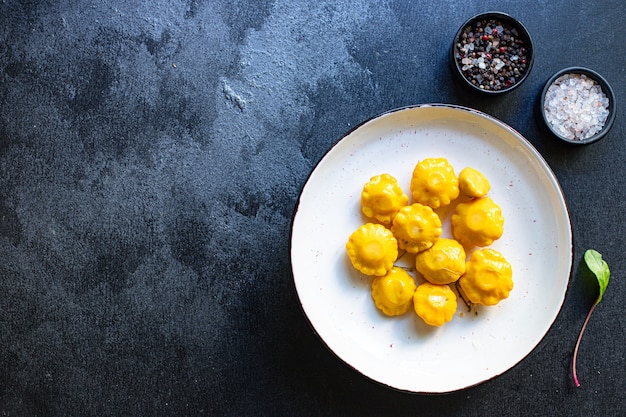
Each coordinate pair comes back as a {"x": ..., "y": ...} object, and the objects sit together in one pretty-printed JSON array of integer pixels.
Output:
[{"x": 491, "y": 46}]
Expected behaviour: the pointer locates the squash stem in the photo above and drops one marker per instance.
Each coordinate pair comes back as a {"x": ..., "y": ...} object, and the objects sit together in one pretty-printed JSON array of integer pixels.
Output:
[{"x": 468, "y": 304}]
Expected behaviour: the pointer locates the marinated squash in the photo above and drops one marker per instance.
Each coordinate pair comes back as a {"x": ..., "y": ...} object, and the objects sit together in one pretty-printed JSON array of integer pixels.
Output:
[
  {"x": 393, "y": 293},
  {"x": 416, "y": 227},
  {"x": 382, "y": 198},
  {"x": 435, "y": 304},
  {"x": 372, "y": 249},
  {"x": 472, "y": 183},
  {"x": 443, "y": 263},
  {"x": 488, "y": 278},
  {"x": 434, "y": 182},
  {"x": 478, "y": 222}
]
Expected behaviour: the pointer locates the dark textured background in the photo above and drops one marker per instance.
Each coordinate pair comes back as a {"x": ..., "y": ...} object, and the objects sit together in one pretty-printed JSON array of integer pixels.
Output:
[{"x": 151, "y": 156}]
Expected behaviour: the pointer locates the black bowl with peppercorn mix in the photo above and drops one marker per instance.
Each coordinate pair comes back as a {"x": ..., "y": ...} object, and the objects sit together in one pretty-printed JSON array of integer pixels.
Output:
[{"x": 492, "y": 53}]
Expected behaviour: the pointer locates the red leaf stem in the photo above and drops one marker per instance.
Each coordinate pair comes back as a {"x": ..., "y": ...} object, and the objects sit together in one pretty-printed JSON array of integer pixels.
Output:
[{"x": 580, "y": 336}]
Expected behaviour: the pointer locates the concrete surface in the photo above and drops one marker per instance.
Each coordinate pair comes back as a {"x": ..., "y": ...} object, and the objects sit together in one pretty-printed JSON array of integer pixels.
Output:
[{"x": 151, "y": 156}]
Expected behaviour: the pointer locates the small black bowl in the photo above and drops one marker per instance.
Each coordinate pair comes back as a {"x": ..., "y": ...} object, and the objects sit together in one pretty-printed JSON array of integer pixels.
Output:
[
  {"x": 480, "y": 55},
  {"x": 606, "y": 89}
]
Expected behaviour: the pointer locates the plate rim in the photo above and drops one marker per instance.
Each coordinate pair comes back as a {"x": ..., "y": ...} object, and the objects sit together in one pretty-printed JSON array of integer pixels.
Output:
[{"x": 529, "y": 147}]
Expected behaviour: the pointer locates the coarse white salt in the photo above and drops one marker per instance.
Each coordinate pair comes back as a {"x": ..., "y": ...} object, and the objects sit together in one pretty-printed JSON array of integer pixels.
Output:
[{"x": 575, "y": 106}]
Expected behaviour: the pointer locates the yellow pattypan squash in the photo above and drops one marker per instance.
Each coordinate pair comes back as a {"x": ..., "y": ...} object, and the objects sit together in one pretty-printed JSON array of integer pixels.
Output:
[
  {"x": 416, "y": 227},
  {"x": 442, "y": 263},
  {"x": 434, "y": 182},
  {"x": 435, "y": 304},
  {"x": 473, "y": 183},
  {"x": 488, "y": 278},
  {"x": 393, "y": 293},
  {"x": 478, "y": 222},
  {"x": 382, "y": 197},
  {"x": 372, "y": 249}
]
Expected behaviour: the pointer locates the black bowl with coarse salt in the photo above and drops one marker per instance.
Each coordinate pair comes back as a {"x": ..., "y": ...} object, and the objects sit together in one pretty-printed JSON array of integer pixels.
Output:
[
  {"x": 492, "y": 53},
  {"x": 577, "y": 105}
]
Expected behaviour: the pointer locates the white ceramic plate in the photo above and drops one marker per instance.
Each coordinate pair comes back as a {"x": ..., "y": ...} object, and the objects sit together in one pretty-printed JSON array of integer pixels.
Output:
[{"x": 404, "y": 353}]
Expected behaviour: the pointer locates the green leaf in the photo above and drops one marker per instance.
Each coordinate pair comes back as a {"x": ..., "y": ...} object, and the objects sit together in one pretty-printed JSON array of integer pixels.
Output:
[{"x": 600, "y": 269}]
